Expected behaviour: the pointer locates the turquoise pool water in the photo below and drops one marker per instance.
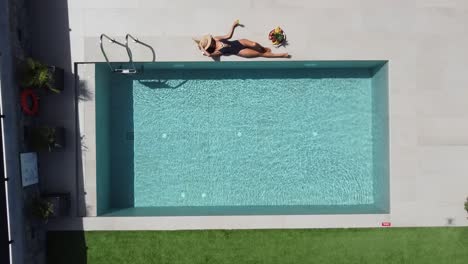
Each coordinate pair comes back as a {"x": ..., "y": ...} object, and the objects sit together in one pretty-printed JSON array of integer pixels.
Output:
[{"x": 184, "y": 139}]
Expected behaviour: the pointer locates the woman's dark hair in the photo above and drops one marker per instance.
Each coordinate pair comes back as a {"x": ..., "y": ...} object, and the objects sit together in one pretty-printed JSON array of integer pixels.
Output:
[
  {"x": 211, "y": 49},
  {"x": 212, "y": 46}
]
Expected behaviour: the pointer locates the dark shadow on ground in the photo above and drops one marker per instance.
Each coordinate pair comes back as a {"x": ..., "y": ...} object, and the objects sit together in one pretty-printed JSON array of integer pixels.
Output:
[
  {"x": 66, "y": 247},
  {"x": 50, "y": 44}
]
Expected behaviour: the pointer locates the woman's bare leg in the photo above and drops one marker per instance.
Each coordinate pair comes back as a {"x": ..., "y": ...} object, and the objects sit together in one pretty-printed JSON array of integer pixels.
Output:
[
  {"x": 253, "y": 45},
  {"x": 251, "y": 53}
]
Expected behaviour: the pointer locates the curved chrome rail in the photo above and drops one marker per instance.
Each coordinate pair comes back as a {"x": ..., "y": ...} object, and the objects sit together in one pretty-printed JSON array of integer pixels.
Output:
[
  {"x": 136, "y": 40},
  {"x": 131, "y": 70}
]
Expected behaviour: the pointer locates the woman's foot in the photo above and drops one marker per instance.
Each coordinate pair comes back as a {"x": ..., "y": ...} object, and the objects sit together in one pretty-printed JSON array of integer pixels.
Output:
[{"x": 278, "y": 55}]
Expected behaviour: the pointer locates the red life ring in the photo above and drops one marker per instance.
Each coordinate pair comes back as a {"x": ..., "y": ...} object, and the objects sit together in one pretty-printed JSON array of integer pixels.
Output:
[{"x": 29, "y": 102}]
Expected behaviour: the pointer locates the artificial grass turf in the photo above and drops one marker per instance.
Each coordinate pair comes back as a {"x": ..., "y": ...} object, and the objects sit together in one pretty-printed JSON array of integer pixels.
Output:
[{"x": 393, "y": 245}]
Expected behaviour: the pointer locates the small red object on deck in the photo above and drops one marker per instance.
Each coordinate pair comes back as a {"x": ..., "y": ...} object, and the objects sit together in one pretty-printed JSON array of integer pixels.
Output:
[{"x": 386, "y": 224}]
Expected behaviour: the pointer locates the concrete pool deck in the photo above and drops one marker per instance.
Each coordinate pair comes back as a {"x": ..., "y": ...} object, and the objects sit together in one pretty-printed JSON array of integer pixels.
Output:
[{"x": 424, "y": 41}]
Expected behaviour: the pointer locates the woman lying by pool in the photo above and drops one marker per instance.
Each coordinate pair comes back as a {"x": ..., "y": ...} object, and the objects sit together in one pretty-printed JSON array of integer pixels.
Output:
[{"x": 221, "y": 45}]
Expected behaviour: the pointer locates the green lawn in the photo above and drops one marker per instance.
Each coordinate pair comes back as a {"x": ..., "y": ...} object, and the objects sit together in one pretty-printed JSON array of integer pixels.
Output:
[{"x": 392, "y": 245}]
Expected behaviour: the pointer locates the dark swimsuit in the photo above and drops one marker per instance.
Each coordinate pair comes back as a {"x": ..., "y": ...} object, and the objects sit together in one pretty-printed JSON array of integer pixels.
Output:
[{"x": 231, "y": 48}]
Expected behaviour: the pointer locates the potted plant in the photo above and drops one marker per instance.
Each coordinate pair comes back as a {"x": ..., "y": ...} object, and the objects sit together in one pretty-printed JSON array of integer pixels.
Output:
[
  {"x": 37, "y": 75},
  {"x": 41, "y": 209},
  {"x": 45, "y": 138},
  {"x": 60, "y": 203}
]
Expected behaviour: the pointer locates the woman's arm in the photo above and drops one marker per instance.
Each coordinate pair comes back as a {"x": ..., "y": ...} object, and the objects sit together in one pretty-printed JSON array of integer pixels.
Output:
[
  {"x": 231, "y": 32},
  {"x": 213, "y": 54}
]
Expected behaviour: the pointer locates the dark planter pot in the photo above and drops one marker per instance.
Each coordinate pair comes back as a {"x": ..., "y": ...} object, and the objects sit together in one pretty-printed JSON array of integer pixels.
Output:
[
  {"x": 24, "y": 73},
  {"x": 59, "y": 138},
  {"x": 59, "y": 77},
  {"x": 60, "y": 203},
  {"x": 44, "y": 138},
  {"x": 58, "y": 84}
]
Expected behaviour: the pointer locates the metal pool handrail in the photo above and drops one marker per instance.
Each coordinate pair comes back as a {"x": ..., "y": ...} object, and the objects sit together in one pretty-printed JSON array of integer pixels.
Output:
[
  {"x": 127, "y": 49},
  {"x": 136, "y": 40}
]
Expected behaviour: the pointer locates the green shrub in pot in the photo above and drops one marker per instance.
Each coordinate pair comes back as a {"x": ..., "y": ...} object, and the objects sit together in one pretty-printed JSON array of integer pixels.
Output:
[{"x": 38, "y": 75}]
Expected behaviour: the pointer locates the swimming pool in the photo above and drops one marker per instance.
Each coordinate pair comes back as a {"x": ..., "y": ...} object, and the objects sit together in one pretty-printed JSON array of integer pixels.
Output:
[{"x": 237, "y": 138}]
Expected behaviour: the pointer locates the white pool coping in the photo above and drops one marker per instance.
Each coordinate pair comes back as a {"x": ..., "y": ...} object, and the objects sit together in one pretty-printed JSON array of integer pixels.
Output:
[{"x": 424, "y": 41}]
